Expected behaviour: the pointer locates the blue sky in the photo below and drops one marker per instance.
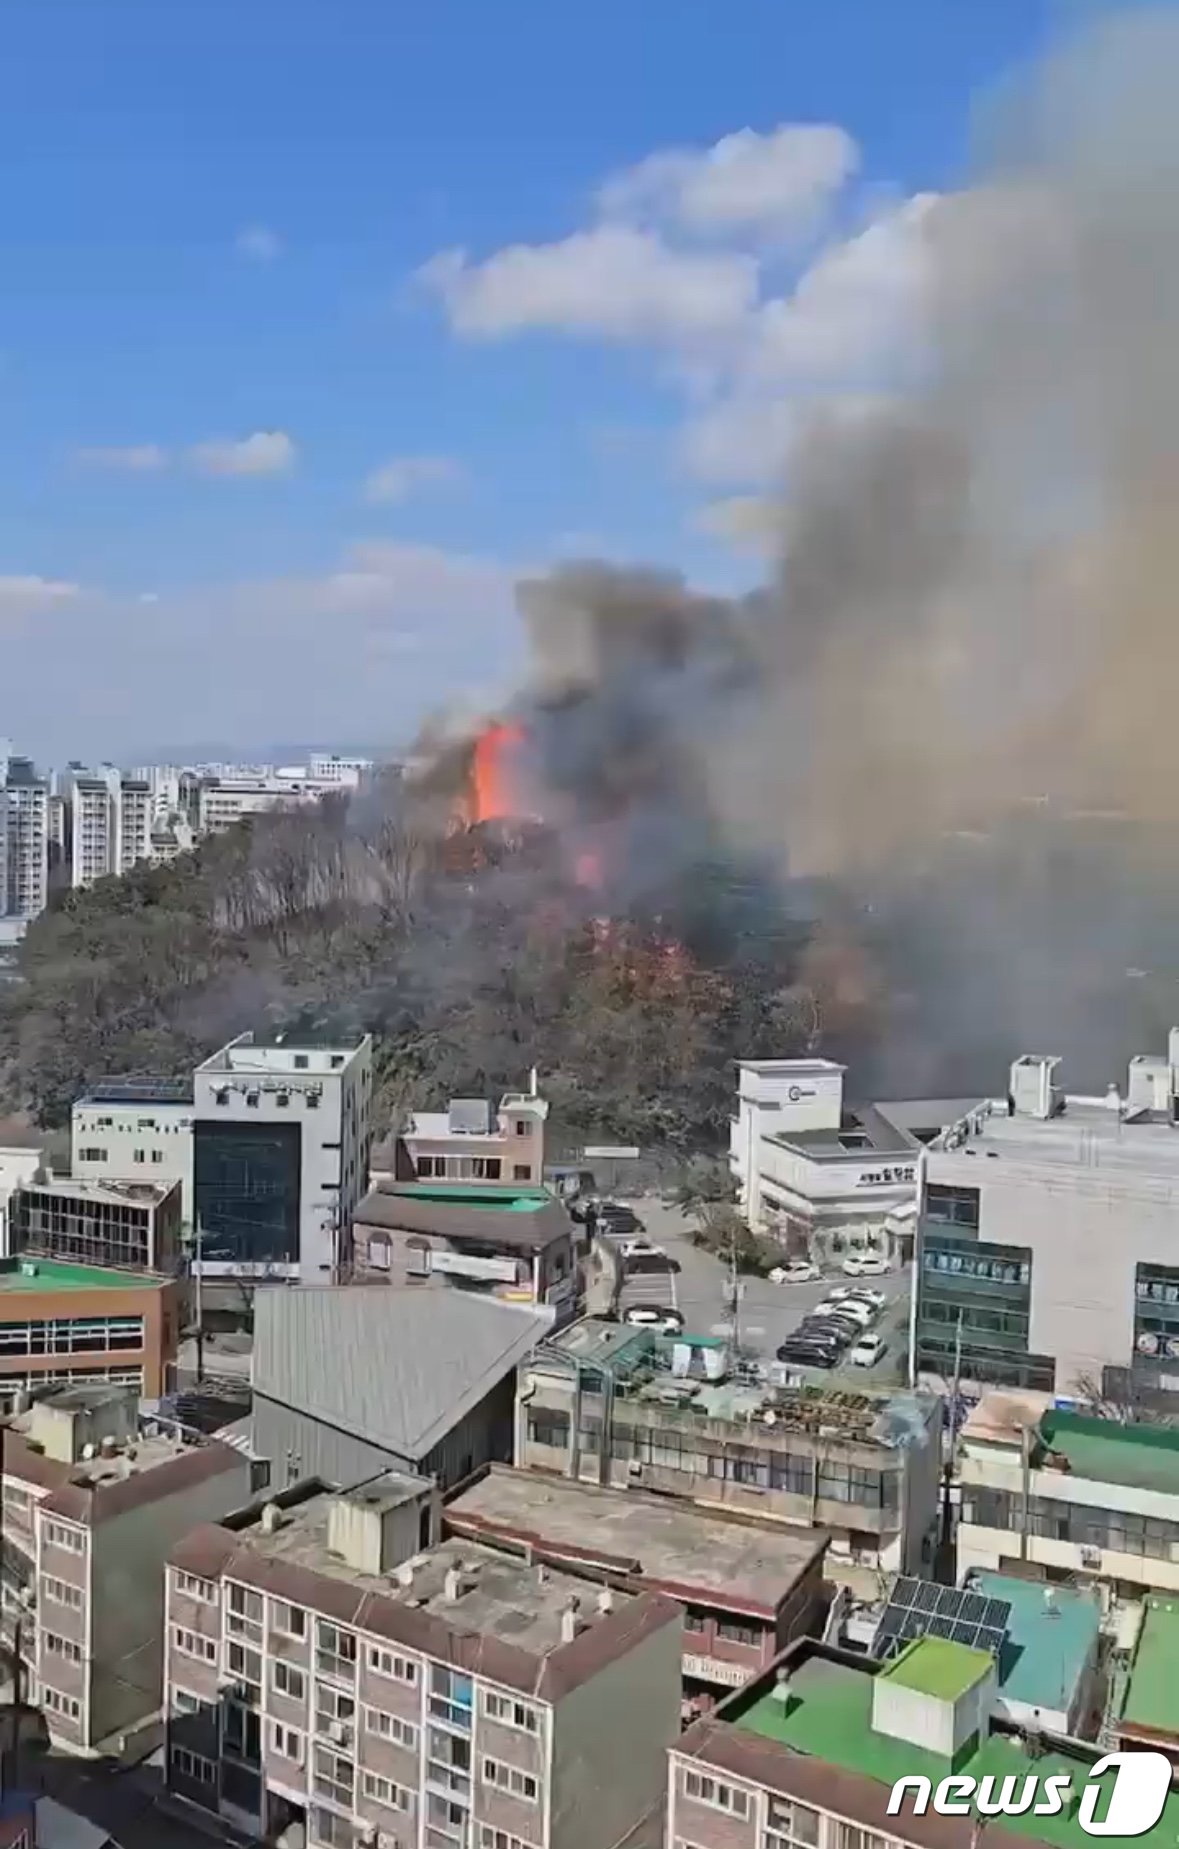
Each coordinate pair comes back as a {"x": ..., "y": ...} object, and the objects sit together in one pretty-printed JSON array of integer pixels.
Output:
[{"x": 215, "y": 329}]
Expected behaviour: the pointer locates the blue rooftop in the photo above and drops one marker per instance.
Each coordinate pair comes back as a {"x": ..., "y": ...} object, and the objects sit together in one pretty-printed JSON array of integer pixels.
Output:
[{"x": 1049, "y": 1641}]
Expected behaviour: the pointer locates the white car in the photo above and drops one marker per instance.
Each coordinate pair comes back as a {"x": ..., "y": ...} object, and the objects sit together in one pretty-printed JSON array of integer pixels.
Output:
[
  {"x": 864, "y": 1265},
  {"x": 876, "y": 1298},
  {"x": 862, "y": 1313},
  {"x": 640, "y": 1248},
  {"x": 798, "y": 1271},
  {"x": 867, "y": 1351},
  {"x": 654, "y": 1316}
]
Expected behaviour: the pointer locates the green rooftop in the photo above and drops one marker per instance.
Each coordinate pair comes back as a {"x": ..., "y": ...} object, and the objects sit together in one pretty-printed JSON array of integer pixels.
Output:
[
  {"x": 506, "y": 1199},
  {"x": 934, "y": 1666},
  {"x": 32, "y": 1274},
  {"x": 1105, "y": 1451},
  {"x": 1049, "y": 1642},
  {"x": 827, "y": 1714},
  {"x": 1152, "y": 1690}
]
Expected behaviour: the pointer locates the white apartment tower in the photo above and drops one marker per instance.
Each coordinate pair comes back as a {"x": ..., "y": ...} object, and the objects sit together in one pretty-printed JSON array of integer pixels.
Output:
[
  {"x": 135, "y": 823},
  {"x": 93, "y": 824},
  {"x": 26, "y": 832}
]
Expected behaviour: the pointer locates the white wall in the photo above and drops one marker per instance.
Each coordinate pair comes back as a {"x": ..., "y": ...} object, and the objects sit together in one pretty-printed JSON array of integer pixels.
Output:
[
  {"x": 142, "y": 1142},
  {"x": 17, "y": 1166}
]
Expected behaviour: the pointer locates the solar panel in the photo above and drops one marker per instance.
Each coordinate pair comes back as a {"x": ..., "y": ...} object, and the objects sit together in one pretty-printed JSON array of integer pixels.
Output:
[{"x": 919, "y": 1608}]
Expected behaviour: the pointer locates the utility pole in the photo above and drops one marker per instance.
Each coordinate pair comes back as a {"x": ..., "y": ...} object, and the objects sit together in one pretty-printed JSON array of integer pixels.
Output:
[
  {"x": 948, "y": 1469},
  {"x": 735, "y": 1293}
]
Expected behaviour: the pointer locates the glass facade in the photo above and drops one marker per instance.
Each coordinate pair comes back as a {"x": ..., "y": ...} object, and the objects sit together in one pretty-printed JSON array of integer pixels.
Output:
[
  {"x": 979, "y": 1288},
  {"x": 247, "y": 1192}
]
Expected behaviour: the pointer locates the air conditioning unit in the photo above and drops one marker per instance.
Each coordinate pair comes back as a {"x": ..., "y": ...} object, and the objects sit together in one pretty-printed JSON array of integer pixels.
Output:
[
  {"x": 634, "y": 1469},
  {"x": 340, "y": 1733},
  {"x": 1090, "y": 1556}
]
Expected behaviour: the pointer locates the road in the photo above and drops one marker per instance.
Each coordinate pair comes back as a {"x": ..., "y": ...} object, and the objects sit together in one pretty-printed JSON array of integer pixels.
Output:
[
  {"x": 768, "y": 1311},
  {"x": 122, "y": 1802}
]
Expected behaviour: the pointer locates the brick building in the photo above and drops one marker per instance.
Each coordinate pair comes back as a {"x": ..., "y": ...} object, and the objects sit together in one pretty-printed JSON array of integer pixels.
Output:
[{"x": 82, "y": 1325}]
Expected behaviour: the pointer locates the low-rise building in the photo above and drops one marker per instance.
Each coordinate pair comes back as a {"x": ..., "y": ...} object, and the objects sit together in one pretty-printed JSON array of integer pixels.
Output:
[
  {"x": 349, "y": 1381},
  {"x": 748, "y": 1587},
  {"x": 1146, "y": 1714},
  {"x": 806, "y": 1758},
  {"x": 133, "y": 1130},
  {"x": 812, "y": 1170},
  {"x": 135, "y": 1224},
  {"x": 511, "y": 1242},
  {"x": 81, "y": 1325},
  {"x": 609, "y": 1404},
  {"x": 18, "y": 1165},
  {"x": 94, "y": 1497},
  {"x": 462, "y": 1144},
  {"x": 1062, "y": 1494},
  {"x": 331, "y": 1667}
]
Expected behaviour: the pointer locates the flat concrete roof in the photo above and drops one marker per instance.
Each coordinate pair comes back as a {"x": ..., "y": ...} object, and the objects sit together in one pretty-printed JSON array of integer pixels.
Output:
[
  {"x": 1049, "y": 1640},
  {"x": 936, "y": 1666},
  {"x": 1088, "y": 1145},
  {"x": 39, "y": 1274},
  {"x": 672, "y": 1546},
  {"x": 499, "y": 1596},
  {"x": 1152, "y": 1689}
]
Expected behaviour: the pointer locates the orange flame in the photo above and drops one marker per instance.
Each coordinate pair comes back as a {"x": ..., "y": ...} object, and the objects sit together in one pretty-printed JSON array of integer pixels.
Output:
[{"x": 492, "y": 796}]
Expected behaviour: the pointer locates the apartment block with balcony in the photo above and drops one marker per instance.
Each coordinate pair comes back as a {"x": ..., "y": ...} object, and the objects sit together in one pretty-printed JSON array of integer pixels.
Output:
[
  {"x": 806, "y": 1757},
  {"x": 604, "y": 1403},
  {"x": 1057, "y": 1495},
  {"x": 78, "y": 1325},
  {"x": 132, "y": 1224},
  {"x": 94, "y": 1497},
  {"x": 25, "y": 796},
  {"x": 331, "y": 1666},
  {"x": 748, "y": 1587}
]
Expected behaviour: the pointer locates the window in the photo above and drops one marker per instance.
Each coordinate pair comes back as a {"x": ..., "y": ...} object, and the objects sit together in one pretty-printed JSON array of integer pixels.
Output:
[
  {"x": 448, "y": 1762},
  {"x": 388, "y": 1663},
  {"x": 288, "y": 1620},
  {"x": 334, "y": 1776},
  {"x": 391, "y": 1727},
  {"x": 245, "y": 1665},
  {"x": 851, "y": 1838},
  {"x": 56, "y": 1534},
  {"x": 59, "y": 1593},
  {"x": 241, "y": 1733},
  {"x": 244, "y": 1615},
  {"x": 521, "y": 1171},
  {"x": 335, "y": 1832},
  {"x": 57, "y": 1703},
  {"x": 335, "y": 1653},
  {"x": 790, "y": 1825},
  {"x": 194, "y": 1588},
  {"x": 511, "y": 1779},
  {"x": 713, "y": 1791},
  {"x": 17, "y": 1502},
  {"x": 184, "y": 1703},
  {"x": 946, "y": 1206},
  {"x": 333, "y": 1708},
  {"x": 189, "y": 1644},
  {"x": 384, "y": 1791},
  {"x": 300, "y": 1062},
  {"x": 157, "y": 1155},
  {"x": 451, "y": 1697},
  {"x": 546, "y": 1427},
  {"x": 523, "y": 1126},
  {"x": 193, "y": 1765},
  {"x": 94, "y": 1154},
  {"x": 61, "y": 1646},
  {"x": 734, "y": 1633},
  {"x": 287, "y": 1742},
  {"x": 139, "y": 1155},
  {"x": 511, "y": 1712},
  {"x": 491, "y": 1838},
  {"x": 286, "y": 1680}
]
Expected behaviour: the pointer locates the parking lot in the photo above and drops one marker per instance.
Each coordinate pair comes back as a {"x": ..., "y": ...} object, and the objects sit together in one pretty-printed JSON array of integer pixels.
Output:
[{"x": 768, "y": 1312}]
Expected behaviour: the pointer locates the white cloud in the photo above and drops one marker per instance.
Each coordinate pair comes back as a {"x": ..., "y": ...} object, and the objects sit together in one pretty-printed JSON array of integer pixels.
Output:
[
  {"x": 613, "y": 281},
  {"x": 781, "y": 184},
  {"x": 33, "y": 593},
  {"x": 133, "y": 458},
  {"x": 258, "y": 243},
  {"x": 266, "y": 452},
  {"x": 402, "y": 476}
]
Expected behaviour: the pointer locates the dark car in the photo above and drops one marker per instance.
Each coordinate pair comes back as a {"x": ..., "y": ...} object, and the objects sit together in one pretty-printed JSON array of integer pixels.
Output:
[
  {"x": 613, "y": 1219},
  {"x": 807, "y": 1354}
]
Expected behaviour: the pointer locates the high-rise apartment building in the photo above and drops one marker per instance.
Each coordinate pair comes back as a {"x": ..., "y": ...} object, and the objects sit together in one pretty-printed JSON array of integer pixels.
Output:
[
  {"x": 92, "y": 824},
  {"x": 329, "y": 1668},
  {"x": 27, "y": 840},
  {"x": 94, "y": 1498},
  {"x": 281, "y": 1140},
  {"x": 134, "y": 799}
]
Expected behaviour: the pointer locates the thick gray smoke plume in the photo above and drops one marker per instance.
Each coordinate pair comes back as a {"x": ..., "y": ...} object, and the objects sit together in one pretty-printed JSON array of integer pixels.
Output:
[{"x": 957, "y": 698}]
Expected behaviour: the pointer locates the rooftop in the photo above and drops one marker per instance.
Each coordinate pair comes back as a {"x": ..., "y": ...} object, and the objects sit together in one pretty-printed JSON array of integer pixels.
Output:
[
  {"x": 137, "y": 1091},
  {"x": 39, "y": 1274},
  {"x": 1049, "y": 1642},
  {"x": 483, "y": 1214},
  {"x": 1106, "y": 1451},
  {"x": 325, "y": 1053},
  {"x": 673, "y": 1546},
  {"x": 1152, "y": 1690},
  {"x": 934, "y": 1666},
  {"x": 397, "y": 1368},
  {"x": 113, "y": 1193},
  {"x": 827, "y": 1716},
  {"x": 863, "y": 1130},
  {"x": 1087, "y": 1143},
  {"x": 502, "y": 1616}
]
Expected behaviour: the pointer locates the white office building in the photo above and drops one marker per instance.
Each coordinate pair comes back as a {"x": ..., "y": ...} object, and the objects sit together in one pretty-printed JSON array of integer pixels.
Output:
[
  {"x": 1048, "y": 1255},
  {"x": 281, "y": 1139},
  {"x": 135, "y": 1130},
  {"x": 223, "y": 801}
]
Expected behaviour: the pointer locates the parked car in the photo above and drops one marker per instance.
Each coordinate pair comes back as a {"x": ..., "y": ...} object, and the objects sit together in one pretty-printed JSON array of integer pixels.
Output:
[
  {"x": 863, "y": 1313},
  {"x": 865, "y": 1265},
  {"x": 614, "y": 1219},
  {"x": 632, "y": 1249},
  {"x": 868, "y": 1351},
  {"x": 875, "y": 1299},
  {"x": 654, "y": 1316},
  {"x": 808, "y": 1354},
  {"x": 798, "y": 1271}
]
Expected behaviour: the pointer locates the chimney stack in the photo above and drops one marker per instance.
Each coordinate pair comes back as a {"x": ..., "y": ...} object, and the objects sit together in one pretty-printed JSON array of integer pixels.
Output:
[
  {"x": 570, "y": 1620},
  {"x": 453, "y": 1584}
]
